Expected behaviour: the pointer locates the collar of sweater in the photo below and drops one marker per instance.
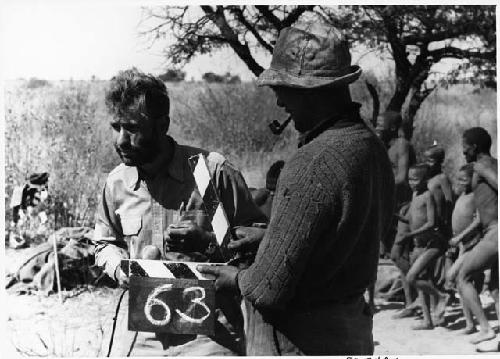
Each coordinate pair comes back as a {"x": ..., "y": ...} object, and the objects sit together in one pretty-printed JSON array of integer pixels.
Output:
[{"x": 348, "y": 118}]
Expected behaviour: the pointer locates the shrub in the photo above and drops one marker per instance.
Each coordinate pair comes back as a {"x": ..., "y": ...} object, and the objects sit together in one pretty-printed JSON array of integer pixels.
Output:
[
  {"x": 173, "y": 75},
  {"x": 62, "y": 131},
  {"x": 34, "y": 83}
]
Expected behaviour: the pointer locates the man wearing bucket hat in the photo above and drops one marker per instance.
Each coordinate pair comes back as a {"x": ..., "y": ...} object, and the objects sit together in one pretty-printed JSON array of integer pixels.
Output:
[{"x": 333, "y": 204}]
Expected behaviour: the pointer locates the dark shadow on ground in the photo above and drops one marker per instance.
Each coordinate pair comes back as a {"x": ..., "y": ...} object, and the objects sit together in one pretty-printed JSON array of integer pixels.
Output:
[
  {"x": 455, "y": 318},
  {"x": 389, "y": 306}
]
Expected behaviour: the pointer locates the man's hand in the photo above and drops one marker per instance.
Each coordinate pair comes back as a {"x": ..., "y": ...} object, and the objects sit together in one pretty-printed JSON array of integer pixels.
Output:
[
  {"x": 187, "y": 236},
  {"x": 121, "y": 278},
  {"x": 454, "y": 241},
  {"x": 249, "y": 239},
  {"x": 225, "y": 276}
]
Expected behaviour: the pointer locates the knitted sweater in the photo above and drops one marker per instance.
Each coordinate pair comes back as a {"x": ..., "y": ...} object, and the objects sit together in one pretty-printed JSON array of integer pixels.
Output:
[{"x": 333, "y": 205}]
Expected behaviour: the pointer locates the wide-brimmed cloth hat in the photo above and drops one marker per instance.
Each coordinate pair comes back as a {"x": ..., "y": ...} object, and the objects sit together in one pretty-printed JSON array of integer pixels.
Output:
[{"x": 308, "y": 56}]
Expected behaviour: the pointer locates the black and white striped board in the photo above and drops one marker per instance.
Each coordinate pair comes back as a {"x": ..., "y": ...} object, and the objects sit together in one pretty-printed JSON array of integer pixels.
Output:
[
  {"x": 170, "y": 297},
  {"x": 211, "y": 201},
  {"x": 164, "y": 269}
]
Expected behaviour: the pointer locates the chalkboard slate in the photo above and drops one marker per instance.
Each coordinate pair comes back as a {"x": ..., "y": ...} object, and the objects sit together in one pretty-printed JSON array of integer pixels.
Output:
[{"x": 171, "y": 305}]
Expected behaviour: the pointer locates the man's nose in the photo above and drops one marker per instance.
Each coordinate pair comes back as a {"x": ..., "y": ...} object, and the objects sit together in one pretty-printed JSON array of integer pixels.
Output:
[
  {"x": 123, "y": 137},
  {"x": 279, "y": 103}
]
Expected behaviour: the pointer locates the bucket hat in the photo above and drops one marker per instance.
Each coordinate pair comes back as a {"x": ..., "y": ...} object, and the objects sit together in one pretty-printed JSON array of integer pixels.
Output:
[{"x": 308, "y": 56}]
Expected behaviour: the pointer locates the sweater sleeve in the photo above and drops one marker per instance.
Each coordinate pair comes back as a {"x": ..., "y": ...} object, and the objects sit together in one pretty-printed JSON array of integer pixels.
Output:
[{"x": 302, "y": 211}]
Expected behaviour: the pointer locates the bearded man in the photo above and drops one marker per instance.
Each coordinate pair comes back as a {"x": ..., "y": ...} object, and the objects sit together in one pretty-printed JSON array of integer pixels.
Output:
[{"x": 138, "y": 203}]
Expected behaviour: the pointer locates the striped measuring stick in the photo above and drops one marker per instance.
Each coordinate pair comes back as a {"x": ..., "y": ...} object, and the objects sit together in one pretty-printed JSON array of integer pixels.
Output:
[
  {"x": 164, "y": 269},
  {"x": 211, "y": 201}
]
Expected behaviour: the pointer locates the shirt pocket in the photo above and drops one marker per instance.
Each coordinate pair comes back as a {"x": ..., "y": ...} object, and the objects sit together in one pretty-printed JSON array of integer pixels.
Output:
[{"x": 131, "y": 225}]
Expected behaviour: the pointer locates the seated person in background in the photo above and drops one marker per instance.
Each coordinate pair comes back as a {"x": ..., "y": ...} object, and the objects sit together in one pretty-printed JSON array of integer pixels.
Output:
[
  {"x": 465, "y": 225},
  {"x": 428, "y": 245}
]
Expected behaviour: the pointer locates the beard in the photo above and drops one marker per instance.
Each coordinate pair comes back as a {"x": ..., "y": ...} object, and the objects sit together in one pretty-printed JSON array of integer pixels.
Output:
[{"x": 145, "y": 152}]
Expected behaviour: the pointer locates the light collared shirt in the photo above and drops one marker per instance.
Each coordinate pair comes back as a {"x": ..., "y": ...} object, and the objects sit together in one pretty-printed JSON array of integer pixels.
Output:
[{"x": 135, "y": 211}]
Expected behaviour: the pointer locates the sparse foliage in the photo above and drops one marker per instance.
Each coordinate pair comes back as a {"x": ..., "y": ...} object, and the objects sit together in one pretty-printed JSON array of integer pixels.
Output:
[
  {"x": 417, "y": 37},
  {"x": 227, "y": 78}
]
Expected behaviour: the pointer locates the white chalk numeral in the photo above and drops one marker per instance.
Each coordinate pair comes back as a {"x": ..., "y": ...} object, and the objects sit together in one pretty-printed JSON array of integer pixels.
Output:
[
  {"x": 153, "y": 300},
  {"x": 195, "y": 301}
]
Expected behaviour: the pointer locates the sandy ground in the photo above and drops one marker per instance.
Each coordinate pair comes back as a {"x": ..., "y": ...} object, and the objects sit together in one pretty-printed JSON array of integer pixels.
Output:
[{"x": 41, "y": 326}]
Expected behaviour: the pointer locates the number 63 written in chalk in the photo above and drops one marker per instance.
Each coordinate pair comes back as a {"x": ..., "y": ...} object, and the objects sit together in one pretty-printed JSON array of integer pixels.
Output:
[{"x": 154, "y": 300}]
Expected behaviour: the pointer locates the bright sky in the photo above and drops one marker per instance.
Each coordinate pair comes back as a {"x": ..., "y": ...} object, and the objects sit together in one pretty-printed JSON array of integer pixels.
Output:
[
  {"x": 61, "y": 40},
  {"x": 55, "y": 39}
]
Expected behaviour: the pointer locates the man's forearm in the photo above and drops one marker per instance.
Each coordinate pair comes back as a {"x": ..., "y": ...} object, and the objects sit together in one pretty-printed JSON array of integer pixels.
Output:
[{"x": 108, "y": 256}]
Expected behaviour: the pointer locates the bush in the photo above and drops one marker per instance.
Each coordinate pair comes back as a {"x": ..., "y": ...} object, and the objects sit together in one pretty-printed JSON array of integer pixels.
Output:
[
  {"x": 173, "y": 75},
  {"x": 233, "y": 119},
  {"x": 34, "y": 83},
  {"x": 227, "y": 78},
  {"x": 63, "y": 131}
]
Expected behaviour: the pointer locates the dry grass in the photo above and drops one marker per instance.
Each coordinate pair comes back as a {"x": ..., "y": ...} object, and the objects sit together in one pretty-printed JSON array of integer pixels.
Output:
[
  {"x": 63, "y": 128},
  {"x": 80, "y": 327}
]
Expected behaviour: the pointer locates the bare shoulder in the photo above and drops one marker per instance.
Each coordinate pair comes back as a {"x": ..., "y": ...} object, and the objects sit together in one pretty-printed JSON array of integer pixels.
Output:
[
  {"x": 434, "y": 182},
  {"x": 490, "y": 162},
  {"x": 427, "y": 195}
]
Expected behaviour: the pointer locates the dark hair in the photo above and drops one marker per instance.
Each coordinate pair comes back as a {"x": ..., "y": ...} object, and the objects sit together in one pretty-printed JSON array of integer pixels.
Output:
[
  {"x": 273, "y": 174},
  {"x": 480, "y": 137},
  {"x": 424, "y": 167},
  {"x": 436, "y": 152},
  {"x": 133, "y": 89},
  {"x": 467, "y": 168}
]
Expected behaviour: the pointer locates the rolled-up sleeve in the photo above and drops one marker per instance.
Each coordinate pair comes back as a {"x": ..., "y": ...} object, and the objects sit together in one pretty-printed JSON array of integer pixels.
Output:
[
  {"x": 236, "y": 197},
  {"x": 111, "y": 248}
]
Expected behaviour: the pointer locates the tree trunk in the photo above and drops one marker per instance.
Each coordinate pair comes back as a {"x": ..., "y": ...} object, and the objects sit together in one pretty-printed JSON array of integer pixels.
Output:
[
  {"x": 403, "y": 85},
  {"x": 416, "y": 100}
]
